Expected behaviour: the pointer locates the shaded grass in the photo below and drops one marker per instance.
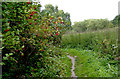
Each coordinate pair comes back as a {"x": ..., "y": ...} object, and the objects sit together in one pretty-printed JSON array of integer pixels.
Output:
[{"x": 68, "y": 65}]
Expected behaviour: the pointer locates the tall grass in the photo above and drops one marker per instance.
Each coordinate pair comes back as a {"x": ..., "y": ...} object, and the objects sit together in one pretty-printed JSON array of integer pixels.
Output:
[
  {"x": 102, "y": 41},
  {"x": 96, "y": 52}
]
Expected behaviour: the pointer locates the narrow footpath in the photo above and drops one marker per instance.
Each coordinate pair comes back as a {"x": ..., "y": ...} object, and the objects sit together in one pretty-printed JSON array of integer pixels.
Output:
[{"x": 73, "y": 66}]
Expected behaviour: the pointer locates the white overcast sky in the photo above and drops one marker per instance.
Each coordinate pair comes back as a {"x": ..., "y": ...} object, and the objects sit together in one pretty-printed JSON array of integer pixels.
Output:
[{"x": 86, "y": 9}]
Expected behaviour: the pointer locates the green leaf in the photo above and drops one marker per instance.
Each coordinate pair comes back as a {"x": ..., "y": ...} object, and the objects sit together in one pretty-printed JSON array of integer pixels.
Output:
[
  {"x": 7, "y": 24},
  {"x": 17, "y": 32},
  {"x": 23, "y": 46},
  {"x": 13, "y": 42},
  {"x": 6, "y": 55},
  {"x": 10, "y": 53},
  {"x": 39, "y": 5},
  {"x": 2, "y": 63},
  {"x": 4, "y": 58},
  {"x": 12, "y": 33}
]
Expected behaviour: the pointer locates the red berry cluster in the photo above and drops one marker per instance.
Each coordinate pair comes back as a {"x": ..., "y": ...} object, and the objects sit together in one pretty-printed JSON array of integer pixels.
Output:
[
  {"x": 28, "y": 2},
  {"x": 6, "y": 30}
]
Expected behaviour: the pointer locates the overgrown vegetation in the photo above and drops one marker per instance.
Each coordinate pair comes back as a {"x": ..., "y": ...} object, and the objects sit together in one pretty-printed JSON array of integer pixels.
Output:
[
  {"x": 89, "y": 64},
  {"x": 34, "y": 43},
  {"x": 96, "y": 51},
  {"x": 29, "y": 41},
  {"x": 116, "y": 20},
  {"x": 103, "y": 41}
]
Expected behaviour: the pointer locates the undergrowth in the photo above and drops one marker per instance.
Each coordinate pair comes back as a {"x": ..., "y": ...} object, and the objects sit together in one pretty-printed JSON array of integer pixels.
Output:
[{"x": 89, "y": 64}]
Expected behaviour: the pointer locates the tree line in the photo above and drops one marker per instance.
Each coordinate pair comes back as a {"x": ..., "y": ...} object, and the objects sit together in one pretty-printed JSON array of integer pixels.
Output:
[{"x": 95, "y": 24}]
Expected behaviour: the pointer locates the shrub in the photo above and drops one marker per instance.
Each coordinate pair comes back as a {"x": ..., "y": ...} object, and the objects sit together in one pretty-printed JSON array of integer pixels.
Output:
[{"x": 27, "y": 37}]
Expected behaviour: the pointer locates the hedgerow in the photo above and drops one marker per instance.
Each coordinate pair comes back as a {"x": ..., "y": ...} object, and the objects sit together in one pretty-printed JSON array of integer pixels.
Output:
[{"x": 27, "y": 40}]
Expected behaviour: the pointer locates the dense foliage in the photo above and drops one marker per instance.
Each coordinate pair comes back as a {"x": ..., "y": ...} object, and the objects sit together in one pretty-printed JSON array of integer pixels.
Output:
[
  {"x": 103, "y": 41},
  {"x": 28, "y": 41},
  {"x": 116, "y": 20},
  {"x": 31, "y": 41},
  {"x": 92, "y": 25},
  {"x": 54, "y": 11},
  {"x": 89, "y": 64},
  {"x": 97, "y": 52}
]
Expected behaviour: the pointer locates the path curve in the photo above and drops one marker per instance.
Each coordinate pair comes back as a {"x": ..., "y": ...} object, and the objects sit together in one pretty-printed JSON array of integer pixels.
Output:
[{"x": 73, "y": 65}]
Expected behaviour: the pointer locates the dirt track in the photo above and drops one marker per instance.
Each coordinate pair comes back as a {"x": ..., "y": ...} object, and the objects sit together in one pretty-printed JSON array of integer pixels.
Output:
[{"x": 73, "y": 66}]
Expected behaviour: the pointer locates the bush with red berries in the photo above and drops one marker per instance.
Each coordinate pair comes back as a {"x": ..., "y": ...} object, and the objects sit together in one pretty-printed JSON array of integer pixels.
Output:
[{"x": 27, "y": 39}]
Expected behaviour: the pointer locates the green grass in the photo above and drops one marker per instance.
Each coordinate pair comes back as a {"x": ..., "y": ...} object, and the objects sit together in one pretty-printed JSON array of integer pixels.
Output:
[
  {"x": 76, "y": 39},
  {"x": 103, "y": 41},
  {"x": 89, "y": 64},
  {"x": 95, "y": 52},
  {"x": 68, "y": 65},
  {"x": 62, "y": 62}
]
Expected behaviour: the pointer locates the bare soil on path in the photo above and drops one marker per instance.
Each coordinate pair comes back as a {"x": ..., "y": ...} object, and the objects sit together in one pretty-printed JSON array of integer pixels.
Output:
[{"x": 73, "y": 66}]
